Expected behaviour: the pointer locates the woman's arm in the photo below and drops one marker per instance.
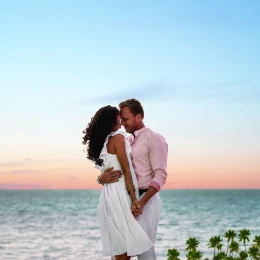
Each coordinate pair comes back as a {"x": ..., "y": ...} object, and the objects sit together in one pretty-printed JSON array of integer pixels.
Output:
[{"x": 119, "y": 144}]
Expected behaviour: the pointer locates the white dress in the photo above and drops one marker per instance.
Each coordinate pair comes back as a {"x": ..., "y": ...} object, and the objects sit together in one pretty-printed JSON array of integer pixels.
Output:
[{"x": 120, "y": 232}]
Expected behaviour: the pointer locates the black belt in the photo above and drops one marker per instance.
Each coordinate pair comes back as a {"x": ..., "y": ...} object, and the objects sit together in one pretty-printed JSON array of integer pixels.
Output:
[{"x": 142, "y": 191}]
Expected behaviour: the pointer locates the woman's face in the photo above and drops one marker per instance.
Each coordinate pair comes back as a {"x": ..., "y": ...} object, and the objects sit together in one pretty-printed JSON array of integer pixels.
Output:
[{"x": 118, "y": 123}]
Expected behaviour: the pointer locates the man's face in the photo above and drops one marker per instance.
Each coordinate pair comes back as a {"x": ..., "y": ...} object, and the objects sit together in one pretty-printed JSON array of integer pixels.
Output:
[{"x": 128, "y": 120}]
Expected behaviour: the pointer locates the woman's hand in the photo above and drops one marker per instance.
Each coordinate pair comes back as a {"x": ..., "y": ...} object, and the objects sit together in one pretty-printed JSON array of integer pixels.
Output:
[
  {"x": 136, "y": 208},
  {"x": 135, "y": 204}
]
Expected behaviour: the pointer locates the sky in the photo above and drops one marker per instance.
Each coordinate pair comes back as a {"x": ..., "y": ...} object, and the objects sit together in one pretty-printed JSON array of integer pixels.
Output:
[{"x": 194, "y": 65}]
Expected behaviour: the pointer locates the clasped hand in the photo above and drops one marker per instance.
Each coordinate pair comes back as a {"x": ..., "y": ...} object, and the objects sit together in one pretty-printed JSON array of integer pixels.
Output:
[{"x": 136, "y": 208}]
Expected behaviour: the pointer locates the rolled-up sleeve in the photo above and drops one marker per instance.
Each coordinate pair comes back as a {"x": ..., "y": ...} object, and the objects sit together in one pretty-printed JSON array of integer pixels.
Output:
[{"x": 158, "y": 157}]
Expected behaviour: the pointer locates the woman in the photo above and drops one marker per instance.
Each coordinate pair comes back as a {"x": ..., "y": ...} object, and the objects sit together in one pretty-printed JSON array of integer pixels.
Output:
[{"x": 107, "y": 146}]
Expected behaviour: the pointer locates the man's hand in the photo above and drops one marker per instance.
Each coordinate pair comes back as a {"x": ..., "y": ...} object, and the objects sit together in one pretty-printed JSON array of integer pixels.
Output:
[
  {"x": 137, "y": 209},
  {"x": 135, "y": 205},
  {"x": 109, "y": 176}
]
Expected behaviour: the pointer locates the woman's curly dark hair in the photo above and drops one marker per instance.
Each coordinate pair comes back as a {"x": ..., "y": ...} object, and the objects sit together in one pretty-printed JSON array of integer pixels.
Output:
[{"x": 100, "y": 126}]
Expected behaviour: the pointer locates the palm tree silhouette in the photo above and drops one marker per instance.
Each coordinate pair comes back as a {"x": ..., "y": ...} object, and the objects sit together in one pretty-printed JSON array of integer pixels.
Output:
[
  {"x": 243, "y": 255},
  {"x": 214, "y": 242},
  {"x": 192, "y": 244},
  {"x": 244, "y": 236},
  {"x": 254, "y": 252},
  {"x": 233, "y": 247},
  {"x": 230, "y": 234},
  {"x": 229, "y": 258},
  {"x": 194, "y": 255},
  {"x": 220, "y": 255},
  {"x": 257, "y": 241},
  {"x": 173, "y": 254}
]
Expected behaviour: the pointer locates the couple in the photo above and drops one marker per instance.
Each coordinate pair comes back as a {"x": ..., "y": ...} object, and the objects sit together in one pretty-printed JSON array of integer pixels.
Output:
[{"x": 133, "y": 172}]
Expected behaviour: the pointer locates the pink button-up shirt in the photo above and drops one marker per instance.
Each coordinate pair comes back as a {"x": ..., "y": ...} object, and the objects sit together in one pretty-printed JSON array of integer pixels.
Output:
[{"x": 149, "y": 152}]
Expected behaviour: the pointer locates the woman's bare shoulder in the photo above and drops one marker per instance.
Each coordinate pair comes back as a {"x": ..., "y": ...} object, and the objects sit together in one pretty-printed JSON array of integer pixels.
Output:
[{"x": 117, "y": 139}]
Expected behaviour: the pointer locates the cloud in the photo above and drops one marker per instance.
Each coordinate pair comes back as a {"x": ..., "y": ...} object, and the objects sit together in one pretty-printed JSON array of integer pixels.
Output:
[
  {"x": 234, "y": 91},
  {"x": 160, "y": 91},
  {"x": 227, "y": 89},
  {"x": 23, "y": 162},
  {"x": 73, "y": 178},
  {"x": 21, "y": 171},
  {"x": 27, "y": 171},
  {"x": 32, "y": 171},
  {"x": 18, "y": 186},
  {"x": 58, "y": 169},
  {"x": 12, "y": 164},
  {"x": 142, "y": 93},
  {"x": 29, "y": 161},
  {"x": 16, "y": 163}
]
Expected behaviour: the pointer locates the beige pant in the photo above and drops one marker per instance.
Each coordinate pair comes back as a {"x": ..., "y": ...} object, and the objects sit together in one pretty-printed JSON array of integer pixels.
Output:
[{"x": 151, "y": 216}]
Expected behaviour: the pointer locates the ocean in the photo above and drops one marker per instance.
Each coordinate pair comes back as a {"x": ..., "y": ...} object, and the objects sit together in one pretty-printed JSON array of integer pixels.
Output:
[{"x": 61, "y": 224}]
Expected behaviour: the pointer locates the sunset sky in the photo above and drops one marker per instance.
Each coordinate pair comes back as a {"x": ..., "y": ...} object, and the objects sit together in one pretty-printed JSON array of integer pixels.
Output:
[{"x": 194, "y": 65}]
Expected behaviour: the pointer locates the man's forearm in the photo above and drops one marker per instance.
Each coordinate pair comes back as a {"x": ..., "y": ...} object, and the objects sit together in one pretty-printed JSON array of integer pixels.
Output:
[
  {"x": 151, "y": 191},
  {"x": 110, "y": 175}
]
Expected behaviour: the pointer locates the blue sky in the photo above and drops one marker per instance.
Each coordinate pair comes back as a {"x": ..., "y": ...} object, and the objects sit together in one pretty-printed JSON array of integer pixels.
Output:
[{"x": 194, "y": 65}]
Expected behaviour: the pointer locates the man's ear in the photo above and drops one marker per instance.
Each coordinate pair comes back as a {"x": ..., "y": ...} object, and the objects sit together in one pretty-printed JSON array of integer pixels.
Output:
[{"x": 139, "y": 117}]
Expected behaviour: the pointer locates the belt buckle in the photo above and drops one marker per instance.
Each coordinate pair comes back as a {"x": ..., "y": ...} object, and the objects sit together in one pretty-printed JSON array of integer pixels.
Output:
[{"x": 142, "y": 191}]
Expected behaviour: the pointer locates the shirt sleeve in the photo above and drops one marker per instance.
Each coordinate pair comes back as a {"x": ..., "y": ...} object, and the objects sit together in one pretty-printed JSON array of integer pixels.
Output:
[{"x": 158, "y": 158}]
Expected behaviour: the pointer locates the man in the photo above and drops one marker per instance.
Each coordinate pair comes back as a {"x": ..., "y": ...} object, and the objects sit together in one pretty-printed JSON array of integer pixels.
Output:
[{"x": 149, "y": 152}]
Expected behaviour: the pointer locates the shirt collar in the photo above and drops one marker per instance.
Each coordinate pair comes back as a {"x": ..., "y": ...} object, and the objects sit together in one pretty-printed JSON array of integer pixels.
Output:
[
  {"x": 137, "y": 132},
  {"x": 132, "y": 137}
]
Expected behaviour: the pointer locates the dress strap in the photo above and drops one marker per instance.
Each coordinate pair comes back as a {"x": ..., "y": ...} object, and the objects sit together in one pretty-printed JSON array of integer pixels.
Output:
[
  {"x": 127, "y": 143},
  {"x": 104, "y": 152},
  {"x": 119, "y": 131}
]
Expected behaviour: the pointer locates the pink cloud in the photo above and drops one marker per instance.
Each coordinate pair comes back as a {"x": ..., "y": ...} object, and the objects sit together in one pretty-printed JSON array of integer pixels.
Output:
[{"x": 17, "y": 186}]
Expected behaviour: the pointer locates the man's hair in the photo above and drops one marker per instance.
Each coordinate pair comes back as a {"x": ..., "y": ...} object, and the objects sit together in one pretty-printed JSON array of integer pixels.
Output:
[{"x": 134, "y": 105}]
